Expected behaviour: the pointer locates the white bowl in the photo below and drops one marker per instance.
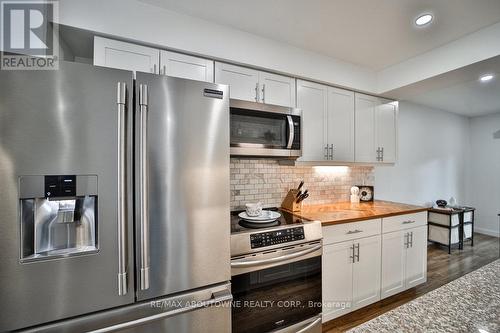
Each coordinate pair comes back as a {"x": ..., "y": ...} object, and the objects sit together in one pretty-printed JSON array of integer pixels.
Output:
[{"x": 254, "y": 209}]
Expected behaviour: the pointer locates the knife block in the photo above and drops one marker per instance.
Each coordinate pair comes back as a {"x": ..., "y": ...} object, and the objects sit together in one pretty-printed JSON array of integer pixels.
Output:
[{"x": 289, "y": 203}]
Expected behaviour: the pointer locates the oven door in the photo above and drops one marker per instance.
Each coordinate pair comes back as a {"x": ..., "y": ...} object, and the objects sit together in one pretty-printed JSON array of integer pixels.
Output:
[
  {"x": 264, "y": 133},
  {"x": 278, "y": 290}
]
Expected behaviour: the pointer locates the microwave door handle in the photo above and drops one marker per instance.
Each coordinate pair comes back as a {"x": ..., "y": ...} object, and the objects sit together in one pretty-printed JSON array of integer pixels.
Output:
[
  {"x": 249, "y": 263},
  {"x": 291, "y": 132},
  {"x": 143, "y": 174}
]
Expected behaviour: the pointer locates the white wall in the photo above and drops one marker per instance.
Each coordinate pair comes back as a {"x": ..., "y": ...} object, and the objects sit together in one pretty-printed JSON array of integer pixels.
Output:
[
  {"x": 136, "y": 21},
  {"x": 433, "y": 145},
  {"x": 483, "y": 183}
]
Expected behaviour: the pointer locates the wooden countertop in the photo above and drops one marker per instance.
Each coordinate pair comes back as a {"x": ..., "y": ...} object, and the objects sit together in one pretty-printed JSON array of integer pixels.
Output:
[{"x": 345, "y": 212}]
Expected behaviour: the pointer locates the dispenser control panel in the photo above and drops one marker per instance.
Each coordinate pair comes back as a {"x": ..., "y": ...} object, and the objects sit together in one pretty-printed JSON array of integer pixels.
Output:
[{"x": 60, "y": 186}]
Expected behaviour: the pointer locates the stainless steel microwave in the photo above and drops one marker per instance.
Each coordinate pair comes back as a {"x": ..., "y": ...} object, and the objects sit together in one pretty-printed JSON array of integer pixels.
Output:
[{"x": 259, "y": 129}]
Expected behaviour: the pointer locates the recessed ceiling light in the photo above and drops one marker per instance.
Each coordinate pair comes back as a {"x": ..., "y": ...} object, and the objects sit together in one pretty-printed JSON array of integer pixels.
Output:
[
  {"x": 486, "y": 77},
  {"x": 423, "y": 19}
]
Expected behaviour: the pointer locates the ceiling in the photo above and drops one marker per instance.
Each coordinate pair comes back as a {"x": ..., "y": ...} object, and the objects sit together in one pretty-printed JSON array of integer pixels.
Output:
[
  {"x": 459, "y": 91},
  {"x": 371, "y": 33}
]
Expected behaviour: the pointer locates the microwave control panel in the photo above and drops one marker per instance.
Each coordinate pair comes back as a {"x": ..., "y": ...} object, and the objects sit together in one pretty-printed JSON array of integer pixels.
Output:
[{"x": 276, "y": 237}]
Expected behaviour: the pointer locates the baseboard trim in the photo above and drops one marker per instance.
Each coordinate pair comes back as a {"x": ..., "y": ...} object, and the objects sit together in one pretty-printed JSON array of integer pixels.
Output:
[{"x": 488, "y": 232}]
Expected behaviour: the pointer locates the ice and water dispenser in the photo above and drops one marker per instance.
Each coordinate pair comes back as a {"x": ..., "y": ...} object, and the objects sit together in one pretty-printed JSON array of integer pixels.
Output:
[{"x": 58, "y": 216}]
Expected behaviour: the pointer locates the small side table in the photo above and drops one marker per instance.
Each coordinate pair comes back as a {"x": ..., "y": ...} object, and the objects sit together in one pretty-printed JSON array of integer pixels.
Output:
[
  {"x": 468, "y": 225},
  {"x": 445, "y": 226}
]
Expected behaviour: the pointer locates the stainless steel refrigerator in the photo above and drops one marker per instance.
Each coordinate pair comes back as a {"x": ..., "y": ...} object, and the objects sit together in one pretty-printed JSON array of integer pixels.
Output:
[{"x": 114, "y": 202}]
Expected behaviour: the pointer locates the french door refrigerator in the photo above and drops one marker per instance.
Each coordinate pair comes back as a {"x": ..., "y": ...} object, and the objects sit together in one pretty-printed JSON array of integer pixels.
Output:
[{"x": 114, "y": 202}]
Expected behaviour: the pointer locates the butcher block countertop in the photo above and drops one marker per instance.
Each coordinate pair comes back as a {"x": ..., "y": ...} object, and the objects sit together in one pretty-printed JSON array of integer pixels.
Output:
[{"x": 345, "y": 212}]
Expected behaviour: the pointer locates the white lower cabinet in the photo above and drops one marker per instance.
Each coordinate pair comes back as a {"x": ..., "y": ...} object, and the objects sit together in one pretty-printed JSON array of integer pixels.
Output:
[
  {"x": 351, "y": 276},
  {"x": 416, "y": 257},
  {"x": 366, "y": 275},
  {"x": 393, "y": 263},
  {"x": 404, "y": 260},
  {"x": 337, "y": 279},
  {"x": 366, "y": 261}
]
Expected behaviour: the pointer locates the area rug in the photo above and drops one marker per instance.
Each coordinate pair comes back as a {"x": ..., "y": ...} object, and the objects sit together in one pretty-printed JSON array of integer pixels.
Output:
[{"x": 470, "y": 303}]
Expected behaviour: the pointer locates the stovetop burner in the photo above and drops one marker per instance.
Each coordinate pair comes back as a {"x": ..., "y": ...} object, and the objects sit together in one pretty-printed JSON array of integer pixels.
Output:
[
  {"x": 253, "y": 225},
  {"x": 238, "y": 225}
]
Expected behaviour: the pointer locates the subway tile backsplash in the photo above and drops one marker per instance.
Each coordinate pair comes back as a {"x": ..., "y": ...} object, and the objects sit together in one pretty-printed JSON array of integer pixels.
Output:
[{"x": 267, "y": 181}]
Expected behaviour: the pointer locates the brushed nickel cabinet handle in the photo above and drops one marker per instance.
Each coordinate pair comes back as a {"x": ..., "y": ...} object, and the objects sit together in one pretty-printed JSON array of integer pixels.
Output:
[
  {"x": 350, "y": 232},
  {"x": 357, "y": 248}
]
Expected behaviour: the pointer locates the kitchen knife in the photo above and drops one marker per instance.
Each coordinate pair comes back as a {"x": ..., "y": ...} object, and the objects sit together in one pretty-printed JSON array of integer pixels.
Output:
[{"x": 300, "y": 185}]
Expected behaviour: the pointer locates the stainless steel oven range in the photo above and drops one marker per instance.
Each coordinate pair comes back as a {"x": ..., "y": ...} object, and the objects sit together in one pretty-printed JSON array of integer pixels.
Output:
[{"x": 276, "y": 275}]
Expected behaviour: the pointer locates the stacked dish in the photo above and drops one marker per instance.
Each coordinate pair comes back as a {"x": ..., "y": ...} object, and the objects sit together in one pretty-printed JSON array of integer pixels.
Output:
[{"x": 267, "y": 216}]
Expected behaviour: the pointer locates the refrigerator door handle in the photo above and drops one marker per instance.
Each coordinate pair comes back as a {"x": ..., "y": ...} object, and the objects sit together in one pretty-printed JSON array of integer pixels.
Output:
[
  {"x": 122, "y": 195},
  {"x": 143, "y": 174},
  {"x": 217, "y": 298}
]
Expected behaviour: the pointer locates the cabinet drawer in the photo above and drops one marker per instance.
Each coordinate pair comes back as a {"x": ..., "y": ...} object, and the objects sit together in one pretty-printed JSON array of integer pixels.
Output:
[
  {"x": 400, "y": 222},
  {"x": 347, "y": 231}
]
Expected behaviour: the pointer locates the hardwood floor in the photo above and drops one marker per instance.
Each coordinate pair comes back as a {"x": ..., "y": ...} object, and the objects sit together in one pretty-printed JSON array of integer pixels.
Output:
[{"x": 441, "y": 269}]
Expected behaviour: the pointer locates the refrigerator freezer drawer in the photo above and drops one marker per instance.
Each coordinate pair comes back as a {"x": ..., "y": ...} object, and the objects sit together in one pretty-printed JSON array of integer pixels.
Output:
[{"x": 207, "y": 310}]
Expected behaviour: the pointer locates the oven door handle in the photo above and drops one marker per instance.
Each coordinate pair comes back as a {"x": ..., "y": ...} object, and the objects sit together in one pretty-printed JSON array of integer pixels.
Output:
[
  {"x": 291, "y": 132},
  {"x": 311, "y": 325},
  {"x": 289, "y": 256}
]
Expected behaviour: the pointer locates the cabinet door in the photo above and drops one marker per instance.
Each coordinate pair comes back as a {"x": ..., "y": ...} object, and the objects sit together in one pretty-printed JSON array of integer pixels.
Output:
[
  {"x": 243, "y": 82},
  {"x": 385, "y": 129},
  {"x": 337, "y": 279},
  {"x": 416, "y": 257},
  {"x": 366, "y": 271},
  {"x": 340, "y": 119},
  {"x": 186, "y": 66},
  {"x": 312, "y": 99},
  {"x": 128, "y": 56},
  {"x": 365, "y": 148},
  {"x": 277, "y": 89},
  {"x": 393, "y": 263}
]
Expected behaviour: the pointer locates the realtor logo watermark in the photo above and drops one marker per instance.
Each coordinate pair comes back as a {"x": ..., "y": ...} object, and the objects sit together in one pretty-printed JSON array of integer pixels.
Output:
[{"x": 28, "y": 38}]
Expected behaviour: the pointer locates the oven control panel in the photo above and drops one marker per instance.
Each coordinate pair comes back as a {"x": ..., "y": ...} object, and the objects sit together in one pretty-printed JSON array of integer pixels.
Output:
[{"x": 276, "y": 237}]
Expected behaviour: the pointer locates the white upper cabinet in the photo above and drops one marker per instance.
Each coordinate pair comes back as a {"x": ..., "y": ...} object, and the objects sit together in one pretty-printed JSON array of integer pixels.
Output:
[
  {"x": 328, "y": 122},
  {"x": 375, "y": 129},
  {"x": 312, "y": 100},
  {"x": 385, "y": 130},
  {"x": 128, "y": 56},
  {"x": 340, "y": 119},
  {"x": 186, "y": 66},
  {"x": 243, "y": 82},
  {"x": 277, "y": 89},
  {"x": 256, "y": 86},
  {"x": 365, "y": 128}
]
